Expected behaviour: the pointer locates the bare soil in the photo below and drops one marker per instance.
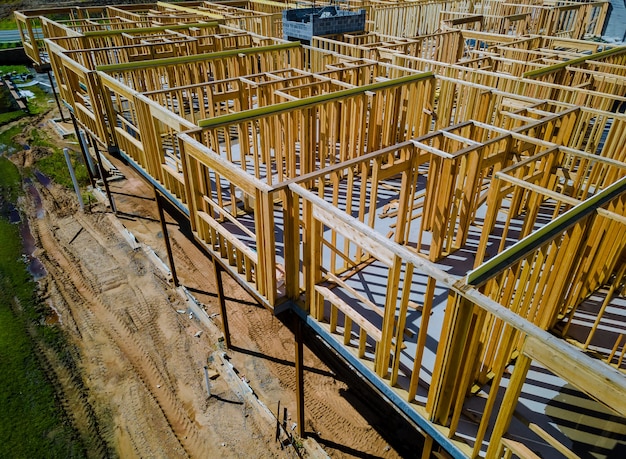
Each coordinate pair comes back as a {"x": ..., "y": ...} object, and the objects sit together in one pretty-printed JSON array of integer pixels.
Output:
[{"x": 135, "y": 385}]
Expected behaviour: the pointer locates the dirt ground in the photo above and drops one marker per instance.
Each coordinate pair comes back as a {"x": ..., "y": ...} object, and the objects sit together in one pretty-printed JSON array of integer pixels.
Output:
[{"x": 135, "y": 385}]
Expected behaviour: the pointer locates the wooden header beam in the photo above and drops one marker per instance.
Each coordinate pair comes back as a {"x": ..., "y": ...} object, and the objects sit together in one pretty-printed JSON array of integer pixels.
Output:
[
  {"x": 275, "y": 4},
  {"x": 103, "y": 33},
  {"x": 194, "y": 58},
  {"x": 520, "y": 249},
  {"x": 581, "y": 376},
  {"x": 296, "y": 104},
  {"x": 185, "y": 9},
  {"x": 226, "y": 169},
  {"x": 578, "y": 60}
]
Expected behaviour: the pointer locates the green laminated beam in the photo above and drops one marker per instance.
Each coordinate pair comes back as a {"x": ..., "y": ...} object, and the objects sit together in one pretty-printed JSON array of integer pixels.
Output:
[
  {"x": 103, "y": 33},
  {"x": 186, "y": 9},
  {"x": 276, "y": 4},
  {"x": 535, "y": 240},
  {"x": 579, "y": 60},
  {"x": 302, "y": 103},
  {"x": 195, "y": 58}
]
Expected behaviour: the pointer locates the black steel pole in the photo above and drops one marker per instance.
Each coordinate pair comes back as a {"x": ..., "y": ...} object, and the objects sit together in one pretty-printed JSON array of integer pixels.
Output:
[
  {"x": 166, "y": 236},
  {"x": 56, "y": 97},
  {"x": 299, "y": 377},
  {"x": 83, "y": 150},
  {"x": 217, "y": 268},
  {"x": 103, "y": 175}
]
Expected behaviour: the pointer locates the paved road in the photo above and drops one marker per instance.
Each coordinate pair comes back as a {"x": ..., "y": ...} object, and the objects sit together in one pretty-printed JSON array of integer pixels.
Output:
[
  {"x": 10, "y": 36},
  {"x": 7, "y": 36},
  {"x": 616, "y": 27}
]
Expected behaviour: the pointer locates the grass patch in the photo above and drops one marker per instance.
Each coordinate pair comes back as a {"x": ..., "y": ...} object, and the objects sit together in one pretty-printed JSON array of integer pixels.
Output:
[
  {"x": 7, "y": 117},
  {"x": 6, "y": 139},
  {"x": 54, "y": 165},
  {"x": 40, "y": 103},
  {"x": 31, "y": 423},
  {"x": 8, "y": 23},
  {"x": 37, "y": 105},
  {"x": 10, "y": 181},
  {"x": 10, "y": 45},
  {"x": 14, "y": 68}
]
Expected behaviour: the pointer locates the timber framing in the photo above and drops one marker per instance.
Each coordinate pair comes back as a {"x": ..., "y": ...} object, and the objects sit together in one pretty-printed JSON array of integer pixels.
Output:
[{"x": 441, "y": 198}]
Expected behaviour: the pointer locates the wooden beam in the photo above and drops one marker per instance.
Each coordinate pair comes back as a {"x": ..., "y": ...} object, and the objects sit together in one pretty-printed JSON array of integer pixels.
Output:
[
  {"x": 589, "y": 380},
  {"x": 509, "y": 403},
  {"x": 561, "y": 65},
  {"x": 150, "y": 30},
  {"x": 513, "y": 254},
  {"x": 309, "y": 101},
  {"x": 186, "y": 9},
  {"x": 194, "y": 58}
]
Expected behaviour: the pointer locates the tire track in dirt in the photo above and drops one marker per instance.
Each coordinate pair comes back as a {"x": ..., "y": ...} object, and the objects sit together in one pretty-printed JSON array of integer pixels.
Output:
[
  {"x": 332, "y": 416},
  {"x": 75, "y": 401},
  {"x": 71, "y": 394},
  {"x": 119, "y": 332},
  {"x": 89, "y": 322},
  {"x": 141, "y": 316}
]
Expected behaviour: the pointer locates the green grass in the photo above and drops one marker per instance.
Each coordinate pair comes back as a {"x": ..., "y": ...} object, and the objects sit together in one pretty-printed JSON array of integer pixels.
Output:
[
  {"x": 39, "y": 104},
  {"x": 31, "y": 423},
  {"x": 10, "y": 44},
  {"x": 13, "y": 68},
  {"x": 8, "y": 23},
  {"x": 7, "y": 117},
  {"x": 36, "y": 105},
  {"x": 54, "y": 165},
  {"x": 10, "y": 182},
  {"x": 6, "y": 138}
]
